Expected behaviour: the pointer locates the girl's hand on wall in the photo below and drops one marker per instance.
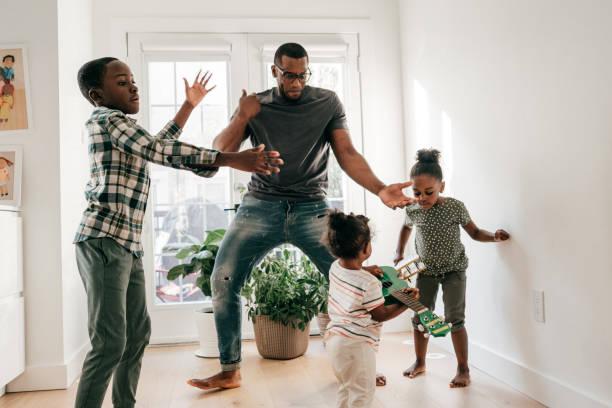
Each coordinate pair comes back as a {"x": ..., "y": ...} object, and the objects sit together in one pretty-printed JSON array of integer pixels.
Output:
[{"x": 501, "y": 235}]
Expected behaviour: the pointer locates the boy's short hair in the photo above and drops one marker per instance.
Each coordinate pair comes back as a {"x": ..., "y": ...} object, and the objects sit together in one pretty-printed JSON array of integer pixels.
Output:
[
  {"x": 91, "y": 75},
  {"x": 12, "y": 57},
  {"x": 291, "y": 50}
]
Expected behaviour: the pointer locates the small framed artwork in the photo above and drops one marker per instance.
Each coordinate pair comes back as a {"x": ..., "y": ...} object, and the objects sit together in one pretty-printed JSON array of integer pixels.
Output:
[
  {"x": 11, "y": 158},
  {"x": 15, "y": 112}
]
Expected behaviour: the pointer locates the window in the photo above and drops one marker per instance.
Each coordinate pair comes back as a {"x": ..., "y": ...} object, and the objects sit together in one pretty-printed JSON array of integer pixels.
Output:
[{"x": 184, "y": 205}]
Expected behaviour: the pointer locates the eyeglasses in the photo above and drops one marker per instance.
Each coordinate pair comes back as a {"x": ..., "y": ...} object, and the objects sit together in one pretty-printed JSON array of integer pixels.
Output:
[{"x": 292, "y": 76}]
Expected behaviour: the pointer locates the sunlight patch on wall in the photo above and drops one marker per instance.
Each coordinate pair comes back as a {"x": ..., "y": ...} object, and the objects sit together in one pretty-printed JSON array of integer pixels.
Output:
[
  {"x": 422, "y": 118},
  {"x": 447, "y": 151}
]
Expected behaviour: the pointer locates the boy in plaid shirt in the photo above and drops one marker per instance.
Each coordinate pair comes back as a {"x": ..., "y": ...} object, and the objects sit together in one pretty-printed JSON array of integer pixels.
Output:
[{"x": 108, "y": 248}]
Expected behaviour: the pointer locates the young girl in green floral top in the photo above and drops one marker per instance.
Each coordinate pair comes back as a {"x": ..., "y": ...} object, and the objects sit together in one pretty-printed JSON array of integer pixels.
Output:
[{"x": 438, "y": 242}]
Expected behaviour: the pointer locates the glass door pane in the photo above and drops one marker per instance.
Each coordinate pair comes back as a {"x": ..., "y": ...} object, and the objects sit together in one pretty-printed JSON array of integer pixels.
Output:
[{"x": 184, "y": 205}]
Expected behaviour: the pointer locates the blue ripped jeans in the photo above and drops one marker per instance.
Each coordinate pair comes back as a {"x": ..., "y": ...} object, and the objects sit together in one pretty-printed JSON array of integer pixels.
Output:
[{"x": 260, "y": 226}]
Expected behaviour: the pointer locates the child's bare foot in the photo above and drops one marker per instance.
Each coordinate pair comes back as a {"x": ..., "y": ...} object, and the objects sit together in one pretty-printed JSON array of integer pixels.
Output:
[
  {"x": 415, "y": 370},
  {"x": 462, "y": 379},
  {"x": 381, "y": 380},
  {"x": 224, "y": 379}
]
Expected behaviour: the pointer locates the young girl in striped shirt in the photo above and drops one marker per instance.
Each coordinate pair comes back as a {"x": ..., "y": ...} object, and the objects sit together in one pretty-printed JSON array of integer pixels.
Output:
[{"x": 356, "y": 310}]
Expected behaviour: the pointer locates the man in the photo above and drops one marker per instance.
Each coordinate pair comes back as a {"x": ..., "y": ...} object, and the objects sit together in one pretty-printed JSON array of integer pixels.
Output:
[{"x": 301, "y": 122}]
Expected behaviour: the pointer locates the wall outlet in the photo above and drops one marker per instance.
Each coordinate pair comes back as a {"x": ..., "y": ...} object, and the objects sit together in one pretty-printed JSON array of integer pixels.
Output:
[{"x": 537, "y": 300}]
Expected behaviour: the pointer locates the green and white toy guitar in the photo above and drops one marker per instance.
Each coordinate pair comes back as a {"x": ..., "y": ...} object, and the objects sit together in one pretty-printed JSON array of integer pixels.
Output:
[{"x": 393, "y": 291}]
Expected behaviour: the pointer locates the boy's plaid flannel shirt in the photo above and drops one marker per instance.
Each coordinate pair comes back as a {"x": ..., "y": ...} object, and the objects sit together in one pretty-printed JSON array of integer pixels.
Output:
[{"x": 118, "y": 188}]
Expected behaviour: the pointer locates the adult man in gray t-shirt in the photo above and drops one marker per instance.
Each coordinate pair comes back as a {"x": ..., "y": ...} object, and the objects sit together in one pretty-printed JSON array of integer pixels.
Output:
[
  {"x": 302, "y": 123},
  {"x": 302, "y": 130}
]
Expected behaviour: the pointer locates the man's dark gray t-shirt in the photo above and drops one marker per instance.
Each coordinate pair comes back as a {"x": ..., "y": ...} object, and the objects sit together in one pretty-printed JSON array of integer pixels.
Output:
[{"x": 301, "y": 131}]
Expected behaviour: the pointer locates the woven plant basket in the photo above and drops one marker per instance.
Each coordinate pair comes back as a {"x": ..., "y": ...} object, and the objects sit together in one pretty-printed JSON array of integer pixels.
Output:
[{"x": 277, "y": 341}]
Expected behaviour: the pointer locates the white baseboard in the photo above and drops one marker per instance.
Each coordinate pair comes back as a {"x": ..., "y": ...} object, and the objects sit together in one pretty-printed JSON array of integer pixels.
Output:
[
  {"x": 161, "y": 340},
  {"x": 247, "y": 334},
  {"x": 75, "y": 364},
  {"x": 50, "y": 377},
  {"x": 2, "y": 391},
  {"x": 541, "y": 387},
  {"x": 39, "y": 378}
]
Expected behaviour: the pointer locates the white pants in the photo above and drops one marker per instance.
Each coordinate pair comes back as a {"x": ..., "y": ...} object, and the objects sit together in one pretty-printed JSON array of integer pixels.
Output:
[{"x": 354, "y": 364}]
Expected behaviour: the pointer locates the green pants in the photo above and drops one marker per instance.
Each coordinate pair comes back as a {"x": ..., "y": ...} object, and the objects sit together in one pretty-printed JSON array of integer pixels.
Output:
[
  {"x": 119, "y": 324},
  {"x": 453, "y": 295}
]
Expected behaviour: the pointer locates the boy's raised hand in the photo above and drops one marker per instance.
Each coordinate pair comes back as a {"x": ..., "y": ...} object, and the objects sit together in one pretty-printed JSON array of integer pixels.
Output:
[{"x": 197, "y": 91}]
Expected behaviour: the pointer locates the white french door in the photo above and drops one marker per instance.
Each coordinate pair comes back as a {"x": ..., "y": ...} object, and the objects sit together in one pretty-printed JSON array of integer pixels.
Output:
[{"x": 183, "y": 206}]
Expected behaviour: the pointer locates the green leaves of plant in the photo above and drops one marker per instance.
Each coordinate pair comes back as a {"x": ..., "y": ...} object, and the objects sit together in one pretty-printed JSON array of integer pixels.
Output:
[
  {"x": 185, "y": 252},
  {"x": 289, "y": 291},
  {"x": 214, "y": 237},
  {"x": 205, "y": 254},
  {"x": 199, "y": 258},
  {"x": 176, "y": 271}
]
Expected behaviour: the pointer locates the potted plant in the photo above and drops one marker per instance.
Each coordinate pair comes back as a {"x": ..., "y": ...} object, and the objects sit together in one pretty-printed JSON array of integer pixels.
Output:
[
  {"x": 283, "y": 295},
  {"x": 200, "y": 258}
]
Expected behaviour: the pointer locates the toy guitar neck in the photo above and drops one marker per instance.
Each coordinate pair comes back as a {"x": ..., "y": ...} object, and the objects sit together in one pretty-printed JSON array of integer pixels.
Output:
[
  {"x": 408, "y": 300},
  {"x": 393, "y": 289}
]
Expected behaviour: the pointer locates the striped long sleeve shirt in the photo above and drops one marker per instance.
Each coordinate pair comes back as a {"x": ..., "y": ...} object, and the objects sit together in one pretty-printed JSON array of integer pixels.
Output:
[
  {"x": 118, "y": 189},
  {"x": 352, "y": 295}
]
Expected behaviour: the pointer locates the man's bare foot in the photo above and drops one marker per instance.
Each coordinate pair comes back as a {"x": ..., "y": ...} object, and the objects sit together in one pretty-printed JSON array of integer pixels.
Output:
[
  {"x": 381, "y": 380},
  {"x": 224, "y": 379},
  {"x": 462, "y": 379},
  {"x": 415, "y": 370}
]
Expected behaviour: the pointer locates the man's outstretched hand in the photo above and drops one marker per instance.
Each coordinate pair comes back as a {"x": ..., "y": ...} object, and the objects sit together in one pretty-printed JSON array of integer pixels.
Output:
[{"x": 393, "y": 197}]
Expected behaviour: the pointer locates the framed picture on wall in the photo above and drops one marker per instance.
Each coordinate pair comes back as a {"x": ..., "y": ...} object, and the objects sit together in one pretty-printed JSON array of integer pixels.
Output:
[
  {"x": 11, "y": 158},
  {"x": 15, "y": 112}
]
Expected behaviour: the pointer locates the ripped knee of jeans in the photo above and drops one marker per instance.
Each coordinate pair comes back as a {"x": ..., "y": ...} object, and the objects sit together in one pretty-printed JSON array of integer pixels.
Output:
[{"x": 223, "y": 283}]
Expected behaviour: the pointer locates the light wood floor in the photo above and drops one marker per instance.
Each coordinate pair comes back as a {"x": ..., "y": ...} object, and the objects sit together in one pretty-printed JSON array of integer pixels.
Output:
[{"x": 304, "y": 382}]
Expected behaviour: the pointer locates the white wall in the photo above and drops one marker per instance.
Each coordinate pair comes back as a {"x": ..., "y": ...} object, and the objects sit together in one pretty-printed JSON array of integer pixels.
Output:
[
  {"x": 35, "y": 24},
  {"x": 55, "y": 309},
  {"x": 76, "y": 46},
  {"x": 379, "y": 64},
  {"x": 526, "y": 87}
]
